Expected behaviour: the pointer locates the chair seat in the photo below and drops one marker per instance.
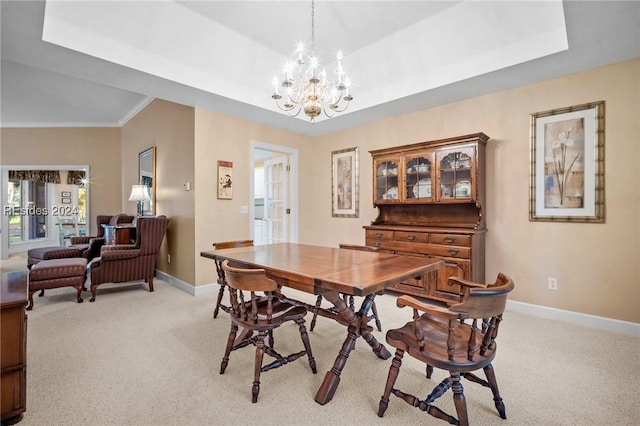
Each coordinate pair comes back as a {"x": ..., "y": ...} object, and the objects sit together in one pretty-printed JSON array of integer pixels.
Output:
[
  {"x": 282, "y": 311},
  {"x": 435, "y": 351}
]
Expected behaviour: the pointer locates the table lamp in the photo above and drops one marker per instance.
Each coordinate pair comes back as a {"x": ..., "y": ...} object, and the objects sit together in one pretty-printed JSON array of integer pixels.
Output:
[{"x": 139, "y": 193}]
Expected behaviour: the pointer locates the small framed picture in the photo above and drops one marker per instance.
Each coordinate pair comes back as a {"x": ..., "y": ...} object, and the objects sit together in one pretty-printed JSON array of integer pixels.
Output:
[
  {"x": 65, "y": 194},
  {"x": 225, "y": 175},
  {"x": 65, "y": 200}
]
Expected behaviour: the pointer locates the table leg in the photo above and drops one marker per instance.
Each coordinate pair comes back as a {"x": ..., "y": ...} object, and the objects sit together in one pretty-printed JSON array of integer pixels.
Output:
[
  {"x": 357, "y": 325},
  {"x": 378, "y": 348}
]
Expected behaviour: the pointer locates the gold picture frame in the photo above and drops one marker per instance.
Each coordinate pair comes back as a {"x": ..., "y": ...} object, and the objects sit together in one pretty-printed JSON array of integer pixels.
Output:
[
  {"x": 344, "y": 183},
  {"x": 567, "y": 164}
]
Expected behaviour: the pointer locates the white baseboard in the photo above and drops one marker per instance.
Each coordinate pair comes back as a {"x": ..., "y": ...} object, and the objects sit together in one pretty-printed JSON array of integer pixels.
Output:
[
  {"x": 587, "y": 320},
  {"x": 593, "y": 321},
  {"x": 184, "y": 286}
]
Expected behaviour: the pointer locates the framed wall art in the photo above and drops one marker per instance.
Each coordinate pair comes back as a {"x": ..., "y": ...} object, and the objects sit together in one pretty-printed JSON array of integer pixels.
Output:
[
  {"x": 344, "y": 183},
  {"x": 567, "y": 164},
  {"x": 225, "y": 177}
]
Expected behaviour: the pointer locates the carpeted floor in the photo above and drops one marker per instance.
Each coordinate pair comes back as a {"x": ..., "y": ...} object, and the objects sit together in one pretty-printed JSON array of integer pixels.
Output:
[{"x": 140, "y": 358}]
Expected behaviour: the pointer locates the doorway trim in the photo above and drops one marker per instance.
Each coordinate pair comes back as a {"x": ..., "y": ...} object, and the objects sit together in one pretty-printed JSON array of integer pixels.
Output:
[{"x": 292, "y": 153}]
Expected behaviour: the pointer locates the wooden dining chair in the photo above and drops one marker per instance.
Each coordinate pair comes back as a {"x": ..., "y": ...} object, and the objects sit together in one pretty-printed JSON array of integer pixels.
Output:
[
  {"x": 261, "y": 314},
  {"x": 220, "y": 271},
  {"x": 460, "y": 338},
  {"x": 348, "y": 298}
]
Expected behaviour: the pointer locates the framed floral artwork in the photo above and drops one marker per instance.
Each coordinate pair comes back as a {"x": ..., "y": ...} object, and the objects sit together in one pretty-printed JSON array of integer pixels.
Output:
[
  {"x": 344, "y": 183},
  {"x": 567, "y": 164}
]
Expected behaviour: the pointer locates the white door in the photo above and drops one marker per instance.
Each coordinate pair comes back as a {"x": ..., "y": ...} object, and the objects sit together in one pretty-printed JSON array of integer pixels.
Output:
[{"x": 276, "y": 189}]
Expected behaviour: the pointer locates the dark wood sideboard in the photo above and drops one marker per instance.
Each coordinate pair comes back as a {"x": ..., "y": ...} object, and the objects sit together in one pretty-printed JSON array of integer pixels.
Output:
[
  {"x": 13, "y": 348},
  {"x": 430, "y": 198}
]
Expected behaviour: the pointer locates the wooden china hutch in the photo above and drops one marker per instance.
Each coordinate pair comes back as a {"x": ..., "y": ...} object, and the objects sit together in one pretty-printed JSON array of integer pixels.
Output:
[{"x": 430, "y": 197}]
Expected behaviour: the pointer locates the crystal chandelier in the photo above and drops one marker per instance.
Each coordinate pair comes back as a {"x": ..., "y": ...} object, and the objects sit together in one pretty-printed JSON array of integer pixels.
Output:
[{"x": 305, "y": 83}]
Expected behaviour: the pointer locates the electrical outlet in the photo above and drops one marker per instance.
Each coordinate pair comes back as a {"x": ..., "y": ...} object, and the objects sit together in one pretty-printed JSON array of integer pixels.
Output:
[
  {"x": 553, "y": 283},
  {"x": 168, "y": 258}
]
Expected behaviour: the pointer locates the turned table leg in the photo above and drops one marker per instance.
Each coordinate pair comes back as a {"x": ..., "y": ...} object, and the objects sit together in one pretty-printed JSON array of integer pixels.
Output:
[{"x": 357, "y": 326}]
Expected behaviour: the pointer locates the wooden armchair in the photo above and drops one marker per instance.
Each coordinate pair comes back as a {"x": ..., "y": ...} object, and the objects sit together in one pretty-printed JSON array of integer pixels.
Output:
[
  {"x": 90, "y": 246},
  {"x": 130, "y": 262},
  {"x": 260, "y": 314},
  {"x": 348, "y": 299},
  {"x": 221, "y": 279},
  {"x": 460, "y": 338}
]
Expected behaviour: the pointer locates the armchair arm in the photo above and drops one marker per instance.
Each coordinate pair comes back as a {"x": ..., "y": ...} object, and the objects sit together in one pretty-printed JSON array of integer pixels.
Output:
[
  {"x": 80, "y": 239},
  {"x": 108, "y": 255},
  {"x": 465, "y": 286},
  {"x": 116, "y": 247},
  {"x": 429, "y": 309},
  {"x": 464, "y": 283}
]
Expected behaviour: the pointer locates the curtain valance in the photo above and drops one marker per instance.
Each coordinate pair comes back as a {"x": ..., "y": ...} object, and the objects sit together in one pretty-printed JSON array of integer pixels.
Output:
[
  {"x": 49, "y": 176},
  {"x": 76, "y": 177}
]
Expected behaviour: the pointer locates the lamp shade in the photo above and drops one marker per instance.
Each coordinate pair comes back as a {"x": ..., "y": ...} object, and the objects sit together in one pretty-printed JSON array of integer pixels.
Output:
[{"x": 139, "y": 193}]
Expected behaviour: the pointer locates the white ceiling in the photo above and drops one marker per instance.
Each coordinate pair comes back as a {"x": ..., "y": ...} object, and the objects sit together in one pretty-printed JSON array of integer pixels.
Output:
[{"x": 96, "y": 63}]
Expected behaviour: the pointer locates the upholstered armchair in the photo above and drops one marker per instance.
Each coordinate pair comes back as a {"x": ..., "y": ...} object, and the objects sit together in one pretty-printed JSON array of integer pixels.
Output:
[
  {"x": 130, "y": 262},
  {"x": 89, "y": 246}
]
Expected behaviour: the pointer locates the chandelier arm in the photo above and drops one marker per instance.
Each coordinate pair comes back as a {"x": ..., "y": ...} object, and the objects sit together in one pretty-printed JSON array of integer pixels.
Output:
[
  {"x": 297, "y": 112},
  {"x": 282, "y": 108},
  {"x": 294, "y": 100},
  {"x": 288, "y": 110},
  {"x": 326, "y": 113},
  {"x": 340, "y": 110}
]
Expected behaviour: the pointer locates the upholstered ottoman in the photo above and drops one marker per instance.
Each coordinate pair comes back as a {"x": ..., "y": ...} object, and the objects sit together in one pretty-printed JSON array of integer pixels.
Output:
[
  {"x": 46, "y": 253},
  {"x": 56, "y": 273}
]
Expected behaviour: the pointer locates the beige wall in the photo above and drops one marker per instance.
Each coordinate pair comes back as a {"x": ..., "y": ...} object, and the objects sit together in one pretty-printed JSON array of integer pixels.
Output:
[
  {"x": 220, "y": 137},
  {"x": 170, "y": 128},
  {"x": 97, "y": 147},
  {"x": 597, "y": 265}
]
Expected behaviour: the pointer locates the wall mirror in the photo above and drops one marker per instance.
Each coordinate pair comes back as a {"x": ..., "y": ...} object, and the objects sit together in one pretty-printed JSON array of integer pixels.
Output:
[
  {"x": 42, "y": 206},
  {"x": 147, "y": 176}
]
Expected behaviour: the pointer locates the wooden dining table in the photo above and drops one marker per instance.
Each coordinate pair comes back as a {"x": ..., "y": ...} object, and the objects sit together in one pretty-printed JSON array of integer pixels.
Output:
[{"x": 329, "y": 271}]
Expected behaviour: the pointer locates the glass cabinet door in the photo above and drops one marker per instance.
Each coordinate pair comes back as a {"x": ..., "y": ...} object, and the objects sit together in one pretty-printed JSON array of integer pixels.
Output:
[
  {"x": 418, "y": 181},
  {"x": 456, "y": 168},
  {"x": 386, "y": 179}
]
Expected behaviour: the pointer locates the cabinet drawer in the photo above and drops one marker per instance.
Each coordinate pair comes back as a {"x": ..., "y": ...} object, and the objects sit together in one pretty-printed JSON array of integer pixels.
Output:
[
  {"x": 376, "y": 234},
  {"x": 12, "y": 325},
  {"x": 412, "y": 237},
  {"x": 451, "y": 239},
  {"x": 425, "y": 249},
  {"x": 446, "y": 251}
]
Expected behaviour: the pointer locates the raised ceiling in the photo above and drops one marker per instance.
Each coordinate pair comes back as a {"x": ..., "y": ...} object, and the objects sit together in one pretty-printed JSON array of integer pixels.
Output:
[{"x": 96, "y": 63}]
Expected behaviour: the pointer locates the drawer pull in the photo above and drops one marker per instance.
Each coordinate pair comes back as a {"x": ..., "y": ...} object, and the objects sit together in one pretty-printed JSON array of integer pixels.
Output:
[
  {"x": 453, "y": 252},
  {"x": 378, "y": 235},
  {"x": 449, "y": 240},
  {"x": 376, "y": 244},
  {"x": 411, "y": 237}
]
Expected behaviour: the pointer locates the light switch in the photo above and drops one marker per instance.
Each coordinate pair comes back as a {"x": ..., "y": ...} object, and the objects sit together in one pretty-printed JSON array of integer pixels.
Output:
[
  {"x": 244, "y": 209},
  {"x": 187, "y": 186}
]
